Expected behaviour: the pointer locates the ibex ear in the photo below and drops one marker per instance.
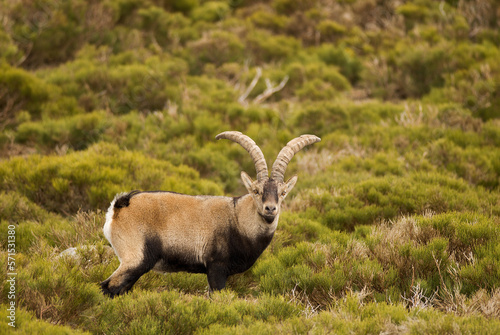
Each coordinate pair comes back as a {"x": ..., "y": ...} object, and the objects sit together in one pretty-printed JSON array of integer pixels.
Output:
[
  {"x": 290, "y": 183},
  {"x": 247, "y": 181}
]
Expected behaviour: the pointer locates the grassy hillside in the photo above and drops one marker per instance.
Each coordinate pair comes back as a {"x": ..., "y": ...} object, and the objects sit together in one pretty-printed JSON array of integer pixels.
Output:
[{"x": 393, "y": 227}]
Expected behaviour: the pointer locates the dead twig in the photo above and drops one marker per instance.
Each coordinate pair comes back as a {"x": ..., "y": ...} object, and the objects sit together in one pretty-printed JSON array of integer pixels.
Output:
[
  {"x": 255, "y": 80},
  {"x": 270, "y": 89}
]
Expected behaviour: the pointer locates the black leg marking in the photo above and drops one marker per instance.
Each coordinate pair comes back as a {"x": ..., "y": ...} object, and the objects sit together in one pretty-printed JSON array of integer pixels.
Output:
[
  {"x": 105, "y": 288},
  {"x": 152, "y": 253},
  {"x": 128, "y": 280},
  {"x": 217, "y": 276}
]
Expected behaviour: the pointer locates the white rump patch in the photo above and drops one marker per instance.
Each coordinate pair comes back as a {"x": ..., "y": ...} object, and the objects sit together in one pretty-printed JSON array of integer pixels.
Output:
[{"x": 109, "y": 217}]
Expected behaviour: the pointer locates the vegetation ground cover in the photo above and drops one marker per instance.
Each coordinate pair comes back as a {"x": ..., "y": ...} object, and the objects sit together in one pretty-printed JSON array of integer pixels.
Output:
[{"x": 393, "y": 226}]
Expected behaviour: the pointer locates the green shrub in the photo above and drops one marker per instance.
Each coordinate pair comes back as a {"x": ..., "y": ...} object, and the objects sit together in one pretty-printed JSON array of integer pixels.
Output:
[
  {"x": 77, "y": 132},
  {"x": 8, "y": 49},
  {"x": 218, "y": 47},
  {"x": 316, "y": 90},
  {"x": 172, "y": 312},
  {"x": 32, "y": 222},
  {"x": 331, "y": 30},
  {"x": 322, "y": 117},
  {"x": 185, "y": 6},
  {"x": 421, "y": 68},
  {"x": 267, "y": 19},
  {"x": 267, "y": 48},
  {"x": 15, "y": 208},
  {"x": 54, "y": 32},
  {"x": 137, "y": 82},
  {"x": 210, "y": 11},
  {"x": 166, "y": 29},
  {"x": 471, "y": 163},
  {"x": 369, "y": 198},
  {"x": 60, "y": 106},
  {"x": 21, "y": 90},
  {"x": 208, "y": 95},
  {"x": 58, "y": 285},
  {"x": 66, "y": 184},
  {"x": 319, "y": 82},
  {"x": 319, "y": 272},
  {"x": 28, "y": 323},
  {"x": 475, "y": 86},
  {"x": 289, "y": 6},
  {"x": 353, "y": 314},
  {"x": 413, "y": 13},
  {"x": 214, "y": 165},
  {"x": 349, "y": 65},
  {"x": 442, "y": 252}
]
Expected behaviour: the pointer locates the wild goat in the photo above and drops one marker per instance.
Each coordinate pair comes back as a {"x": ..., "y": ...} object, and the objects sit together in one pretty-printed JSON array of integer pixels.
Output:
[{"x": 218, "y": 236}]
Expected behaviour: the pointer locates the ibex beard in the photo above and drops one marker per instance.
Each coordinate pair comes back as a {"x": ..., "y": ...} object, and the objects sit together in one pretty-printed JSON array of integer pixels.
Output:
[{"x": 217, "y": 236}]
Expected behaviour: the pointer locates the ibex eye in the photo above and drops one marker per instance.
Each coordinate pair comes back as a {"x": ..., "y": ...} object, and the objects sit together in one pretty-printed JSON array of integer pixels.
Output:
[
  {"x": 256, "y": 191},
  {"x": 283, "y": 193}
]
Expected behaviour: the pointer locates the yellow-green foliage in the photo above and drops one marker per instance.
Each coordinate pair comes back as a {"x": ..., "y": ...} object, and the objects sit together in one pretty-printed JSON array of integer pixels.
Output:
[
  {"x": 27, "y": 323},
  {"x": 393, "y": 226},
  {"x": 87, "y": 180},
  {"x": 20, "y": 90}
]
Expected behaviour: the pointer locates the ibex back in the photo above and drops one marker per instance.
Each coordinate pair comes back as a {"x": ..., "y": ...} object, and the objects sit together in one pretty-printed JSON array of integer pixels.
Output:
[{"x": 218, "y": 236}]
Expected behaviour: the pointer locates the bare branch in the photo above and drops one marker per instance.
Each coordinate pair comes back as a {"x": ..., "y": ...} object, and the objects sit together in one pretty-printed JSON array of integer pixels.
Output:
[
  {"x": 270, "y": 90},
  {"x": 244, "y": 96}
]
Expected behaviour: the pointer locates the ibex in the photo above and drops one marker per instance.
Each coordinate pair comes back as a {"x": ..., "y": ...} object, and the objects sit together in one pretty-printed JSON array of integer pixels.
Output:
[{"x": 218, "y": 236}]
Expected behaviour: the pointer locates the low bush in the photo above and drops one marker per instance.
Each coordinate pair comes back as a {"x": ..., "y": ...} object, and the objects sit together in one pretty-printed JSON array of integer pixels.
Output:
[
  {"x": 264, "y": 17},
  {"x": 322, "y": 118},
  {"x": 440, "y": 252},
  {"x": 268, "y": 48},
  {"x": 9, "y": 52},
  {"x": 217, "y": 48},
  {"x": 210, "y": 11},
  {"x": 15, "y": 207},
  {"x": 47, "y": 34},
  {"x": 27, "y": 320},
  {"x": 373, "y": 198},
  {"x": 470, "y": 163},
  {"x": 77, "y": 132},
  {"x": 134, "y": 82},
  {"x": 69, "y": 183},
  {"x": 166, "y": 29},
  {"x": 20, "y": 90},
  {"x": 174, "y": 312},
  {"x": 348, "y": 63}
]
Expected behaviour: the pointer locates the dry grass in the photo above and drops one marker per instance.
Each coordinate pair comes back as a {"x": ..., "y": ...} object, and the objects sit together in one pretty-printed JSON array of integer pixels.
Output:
[
  {"x": 299, "y": 297},
  {"x": 307, "y": 198},
  {"x": 314, "y": 161},
  {"x": 85, "y": 229},
  {"x": 406, "y": 230},
  {"x": 481, "y": 303},
  {"x": 392, "y": 235}
]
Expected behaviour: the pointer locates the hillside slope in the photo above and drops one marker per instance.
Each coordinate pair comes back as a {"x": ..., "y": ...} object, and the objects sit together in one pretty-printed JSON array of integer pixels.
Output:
[{"x": 394, "y": 223}]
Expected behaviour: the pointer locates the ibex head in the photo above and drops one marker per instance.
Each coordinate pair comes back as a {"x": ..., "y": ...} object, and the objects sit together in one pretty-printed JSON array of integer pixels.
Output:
[{"x": 269, "y": 192}]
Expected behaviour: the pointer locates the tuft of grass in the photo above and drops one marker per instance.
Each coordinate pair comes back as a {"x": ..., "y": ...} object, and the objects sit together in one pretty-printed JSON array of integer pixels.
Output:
[{"x": 27, "y": 323}]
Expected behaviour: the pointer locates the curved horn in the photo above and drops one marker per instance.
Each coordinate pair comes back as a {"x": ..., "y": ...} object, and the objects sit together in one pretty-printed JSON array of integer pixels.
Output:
[
  {"x": 252, "y": 148},
  {"x": 286, "y": 154}
]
